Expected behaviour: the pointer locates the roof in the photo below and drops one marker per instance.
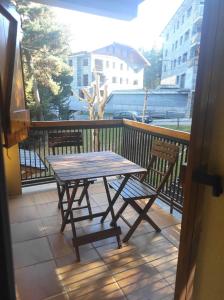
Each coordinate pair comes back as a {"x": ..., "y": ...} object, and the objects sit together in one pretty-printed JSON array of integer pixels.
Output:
[
  {"x": 31, "y": 159},
  {"x": 126, "y": 53},
  {"x": 168, "y": 90},
  {"x": 79, "y": 53},
  {"x": 131, "y": 56}
]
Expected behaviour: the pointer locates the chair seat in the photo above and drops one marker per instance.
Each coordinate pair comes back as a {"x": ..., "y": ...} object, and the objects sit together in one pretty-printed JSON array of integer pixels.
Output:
[{"x": 133, "y": 190}]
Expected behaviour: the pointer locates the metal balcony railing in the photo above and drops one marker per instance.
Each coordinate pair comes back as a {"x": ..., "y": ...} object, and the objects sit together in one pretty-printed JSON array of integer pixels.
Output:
[{"x": 128, "y": 138}]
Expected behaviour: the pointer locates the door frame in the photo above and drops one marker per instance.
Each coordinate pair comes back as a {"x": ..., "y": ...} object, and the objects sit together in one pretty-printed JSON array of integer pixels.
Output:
[{"x": 206, "y": 99}]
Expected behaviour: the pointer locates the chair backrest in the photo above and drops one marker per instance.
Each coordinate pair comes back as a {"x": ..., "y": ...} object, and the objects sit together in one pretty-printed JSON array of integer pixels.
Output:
[
  {"x": 64, "y": 139},
  {"x": 163, "y": 158}
]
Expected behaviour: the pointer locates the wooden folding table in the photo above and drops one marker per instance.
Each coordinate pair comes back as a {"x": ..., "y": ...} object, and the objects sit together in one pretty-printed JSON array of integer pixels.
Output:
[{"x": 85, "y": 166}]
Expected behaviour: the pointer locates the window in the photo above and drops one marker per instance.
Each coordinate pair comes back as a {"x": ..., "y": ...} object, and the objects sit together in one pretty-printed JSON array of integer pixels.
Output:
[
  {"x": 107, "y": 64},
  {"x": 167, "y": 36},
  {"x": 127, "y": 81},
  {"x": 183, "y": 19},
  {"x": 194, "y": 52},
  {"x": 85, "y": 80},
  {"x": 101, "y": 93},
  {"x": 197, "y": 27},
  {"x": 135, "y": 82},
  {"x": 171, "y": 65},
  {"x": 189, "y": 12},
  {"x": 85, "y": 62},
  {"x": 176, "y": 44},
  {"x": 174, "y": 63},
  {"x": 182, "y": 81},
  {"x": 174, "y": 28},
  {"x": 114, "y": 65},
  {"x": 114, "y": 79},
  {"x": 70, "y": 62},
  {"x": 173, "y": 47},
  {"x": 166, "y": 53},
  {"x": 121, "y": 67},
  {"x": 177, "y": 80},
  {"x": 179, "y": 60},
  {"x": 178, "y": 25},
  {"x": 164, "y": 68},
  {"x": 121, "y": 80},
  {"x": 184, "y": 57},
  {"x": 181, "y": 40},
  {"x": 99, "y": 65},
  {"x": 186, "y": 35}
]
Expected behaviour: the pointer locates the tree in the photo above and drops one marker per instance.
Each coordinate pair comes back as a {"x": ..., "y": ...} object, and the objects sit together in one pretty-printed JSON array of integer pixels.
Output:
[
  {"x": 152, "y": 74},
  {"x": 45, "y": 47},
  {"x": 96, "y": 105}
]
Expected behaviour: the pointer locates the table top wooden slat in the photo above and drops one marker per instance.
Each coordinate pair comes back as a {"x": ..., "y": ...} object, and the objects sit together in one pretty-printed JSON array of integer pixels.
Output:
[{"x": 71, "y": 167}]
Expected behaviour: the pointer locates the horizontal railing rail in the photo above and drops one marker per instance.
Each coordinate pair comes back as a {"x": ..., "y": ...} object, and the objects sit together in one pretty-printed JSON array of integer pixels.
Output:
[{"x": 129, "y": 138}]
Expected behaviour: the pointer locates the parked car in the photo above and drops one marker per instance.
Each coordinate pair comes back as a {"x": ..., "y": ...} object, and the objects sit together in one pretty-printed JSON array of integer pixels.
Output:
[{"x": 132, "y": 115}]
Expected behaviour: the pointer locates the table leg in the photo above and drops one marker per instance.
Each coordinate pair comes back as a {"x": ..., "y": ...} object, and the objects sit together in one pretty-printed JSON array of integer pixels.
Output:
[
  {"x": 61, "y": 192},
  {"x": 117, "y": 194},
  {"x": 111, "y": 209},
  {"x": 70, "y": 200}
]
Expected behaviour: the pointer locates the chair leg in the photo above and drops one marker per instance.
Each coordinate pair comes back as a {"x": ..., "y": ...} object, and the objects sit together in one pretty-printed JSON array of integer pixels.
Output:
[
  {"x": 117, "y": 216},
  {"x": 142, "y": 215},
  {"x": 146, "y": 217},
  {"x": 133, "y": 228}
]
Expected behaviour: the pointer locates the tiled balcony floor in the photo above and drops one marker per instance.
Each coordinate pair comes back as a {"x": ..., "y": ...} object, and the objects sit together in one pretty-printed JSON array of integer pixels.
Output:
[{"x": 45, "y": 262}]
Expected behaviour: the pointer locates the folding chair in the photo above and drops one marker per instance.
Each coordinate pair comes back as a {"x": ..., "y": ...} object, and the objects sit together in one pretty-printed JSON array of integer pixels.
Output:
[
  {"x": 57, "y": 140},
  {"x": 163, "y": 158}
]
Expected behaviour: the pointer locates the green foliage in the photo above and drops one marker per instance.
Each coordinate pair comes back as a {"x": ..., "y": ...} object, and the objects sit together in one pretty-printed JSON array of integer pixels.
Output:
[
  {"x": 152, "y": 74},
  {"x": 45, "y": 47}
]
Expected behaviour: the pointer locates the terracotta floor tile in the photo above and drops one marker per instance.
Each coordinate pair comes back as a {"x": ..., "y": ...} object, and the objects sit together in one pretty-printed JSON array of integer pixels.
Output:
[
  {"x": 21, "y": 201},
  {"x": 48, "y": 209},
  {"x": 149, "y": 288},
  {"x": 38, "y": 281},
  {"x": 87, "y": 281},
  {"x": 96, "y": 189},
  {"x": 172, "y": 233},
  {"x": 31, "y": 252},
  {"x": 110, "y": 291},
  {"x": 135, "y": 275},
  {"x": 62, "y": 296},
  {"x": 87, "y": 255},
  {"x": 78, "y": 267},
  {"x": 127, "y": 264},
  {"x": 46, "y": 196},
  {"x": 27, "y": 231},
  {"x": 61, "y": 244},
  {"x": 163, "y": 219},
  {"x": 52, "y": 224},
  {"x": 23, "y": 214}
]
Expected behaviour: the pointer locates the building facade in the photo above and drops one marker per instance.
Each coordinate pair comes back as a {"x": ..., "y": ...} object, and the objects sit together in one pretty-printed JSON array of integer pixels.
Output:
[
  {"x": 182, "y": 44},
  {"x": 119, "y": 67}
]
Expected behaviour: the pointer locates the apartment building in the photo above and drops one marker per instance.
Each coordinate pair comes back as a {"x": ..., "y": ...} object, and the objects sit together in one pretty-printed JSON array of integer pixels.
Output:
[
  {"x": 182, "y": 45},
  {"x": 119, "y": 66}
]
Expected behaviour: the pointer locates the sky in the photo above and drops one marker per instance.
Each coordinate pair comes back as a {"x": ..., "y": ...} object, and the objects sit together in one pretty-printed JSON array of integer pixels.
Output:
[{"x": 89, "y": 32}]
